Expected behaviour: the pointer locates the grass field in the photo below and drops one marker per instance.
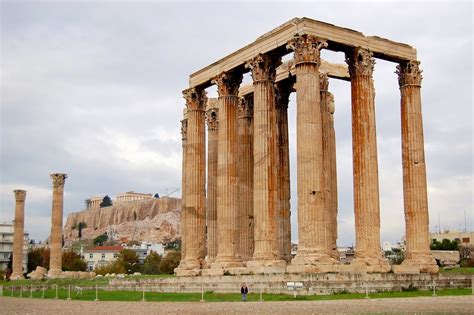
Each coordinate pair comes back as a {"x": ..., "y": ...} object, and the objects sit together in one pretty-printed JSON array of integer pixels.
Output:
[
  {"x": 465, "y": 270},
  {"x": 90, "y": 295}
]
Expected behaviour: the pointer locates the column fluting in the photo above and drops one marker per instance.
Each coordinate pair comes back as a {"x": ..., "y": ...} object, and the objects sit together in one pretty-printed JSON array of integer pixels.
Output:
[
  {"x": 184, "y": 130},
  {"x": 55, "y": 262},
  {"x": 18, "y": 235}
]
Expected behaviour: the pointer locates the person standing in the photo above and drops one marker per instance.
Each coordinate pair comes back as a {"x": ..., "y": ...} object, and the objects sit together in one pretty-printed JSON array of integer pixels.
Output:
[{"x": 244, "y": 290}]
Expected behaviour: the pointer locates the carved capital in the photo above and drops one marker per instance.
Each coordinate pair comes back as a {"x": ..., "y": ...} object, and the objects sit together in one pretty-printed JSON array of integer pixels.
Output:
[
  {"x": 409, "y": 73},
  {"x": 307, "y": 48},
  {"x": 184, "y": 129},
  {"x": 212, "y": 118},
  {"x": 360, "y": 62},
  {"x": 20, "y": 195},
  {"x": 283, "y": 90},
  {"x": 58, "y": 179},
  {"x": 323, "y": 82},
  {"x": 196, "y": 99},
  {"x": 263, "y": 67},
  {"x": 245, "y": 108},
  {"x": 228, "y": 83}
]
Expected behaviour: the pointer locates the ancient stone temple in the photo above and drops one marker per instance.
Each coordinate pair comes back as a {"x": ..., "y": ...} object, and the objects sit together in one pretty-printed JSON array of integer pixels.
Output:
[{"x": 241, "y": 222}]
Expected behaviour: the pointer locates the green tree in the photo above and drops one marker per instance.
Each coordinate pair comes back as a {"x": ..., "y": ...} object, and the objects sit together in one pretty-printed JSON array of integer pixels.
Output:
[
  {"x": 151, "y": 265},
  {"x": 130, "y": 261},
  {"x": 170, "y": 262},
  {"x": 445, "y": 244},
  {"x": 101, "y": 239},
  {"x": 81, "y": 226},
  {"x": 112, "y": 267},
  {"x": 38, "y": 257},
  {"x": 106, "y": 202},
  {"x": 72, "y": 261}
]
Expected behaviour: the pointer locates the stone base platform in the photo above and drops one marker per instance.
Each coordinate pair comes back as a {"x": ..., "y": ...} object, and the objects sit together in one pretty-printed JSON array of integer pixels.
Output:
[{"x": 312, "y": 283}]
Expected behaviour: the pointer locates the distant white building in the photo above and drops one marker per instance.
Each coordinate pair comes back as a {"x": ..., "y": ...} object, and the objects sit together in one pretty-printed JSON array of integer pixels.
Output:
[
  {"x": 6, "y": 246},
  {"x": 100, "y": 256},
  {"x": 464, "y": 238},
  {"x": 131, "y": 196}
]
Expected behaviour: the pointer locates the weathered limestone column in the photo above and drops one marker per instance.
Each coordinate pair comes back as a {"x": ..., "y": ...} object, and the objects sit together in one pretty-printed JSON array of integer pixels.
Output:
[
  {"x": 414, "y": 170},
  {"x": 333, "y": 174},
  {"x": 329, "y": 161},
  {"x": 18, "y": 235},
  {"x": 195, "y": 198},
  {"x": 314, "y": 254},
  {"x": 364, "y": 149},
  {"x": 184, "y": 130},
  {"x": 266, "y": 259},
  {"x": 55, "y": 262},
  {"x": 282, "y": 91},
  {"x": 212, "y": 119},
  {"x": 245, "y": 177},
  {"x": 227, "y": 183}
]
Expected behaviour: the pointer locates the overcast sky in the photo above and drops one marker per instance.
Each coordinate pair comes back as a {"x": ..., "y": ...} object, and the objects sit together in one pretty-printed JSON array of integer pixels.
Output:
[{"x": 93, "y": 89}]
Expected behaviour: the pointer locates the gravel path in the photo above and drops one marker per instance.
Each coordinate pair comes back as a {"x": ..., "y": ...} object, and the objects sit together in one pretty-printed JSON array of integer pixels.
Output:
[{"x": 419, "y": 305}]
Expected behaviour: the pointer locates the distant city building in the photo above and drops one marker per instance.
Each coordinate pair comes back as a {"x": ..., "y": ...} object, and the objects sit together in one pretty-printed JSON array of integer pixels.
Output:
[
  {"x": 131, "y": 196},
  {"x": 6, "y": 245},
  {"x": 464, "y": 238},
  {"x": 94, "y": 202},
  {"x": 346, "y": 254},
  {"x": 100, "y": 256}
]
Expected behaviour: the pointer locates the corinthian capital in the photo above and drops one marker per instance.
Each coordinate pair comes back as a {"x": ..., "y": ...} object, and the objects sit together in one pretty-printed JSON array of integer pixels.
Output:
[
  {"x": 20, "y": 195},
  {"x": 212, "y": 118},
  {"x": 196, "y": 99},
  {"x": 409, "y": 73},
  {"x": 360, "y": 62},
  {"x": 228, "y": 83},
  {"x": 58, "y": 179},
  {"x": 307, "y": 48},
  {"x": 245, "y": 108},
  {"x": 263, "y": 67}
]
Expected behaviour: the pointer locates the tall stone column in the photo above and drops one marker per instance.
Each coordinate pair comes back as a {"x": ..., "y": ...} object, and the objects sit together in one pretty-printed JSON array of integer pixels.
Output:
[
  {"x": 364, "y": 149},
  {"x": 266, "y": 259},
  {"x": 245, "y": 177},
  {"x": 314, "y": 254},
  {"x": 184, "y": 130},
  {"x": 212, "y": 119},
  {"x": 332, "y": 174},
  {"x": 415, "y": 193},
  {"x": 328, "y": 162},
  {"x": 55, "y": 262},
  {"x": 227, "y": 184},
  {"x": 283, "y": 90},
  {"x": 195, "y": 198},
  {"x": 18, "y": 235}
]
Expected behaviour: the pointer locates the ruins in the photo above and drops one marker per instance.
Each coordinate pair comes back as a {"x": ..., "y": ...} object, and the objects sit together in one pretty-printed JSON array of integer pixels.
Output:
[
  {"x": 18, "y": 235},
  {"x": 246, "y": 208},
  {"x": 55, "y": 262}
]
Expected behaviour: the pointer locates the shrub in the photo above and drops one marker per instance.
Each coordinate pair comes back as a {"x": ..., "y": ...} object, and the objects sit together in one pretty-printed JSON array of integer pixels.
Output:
[
  {"x": 38, "y": 257},
  {"x": 112, "y": 267},
  {"x": 170, "y": 262},
  {"x": 151, "y": 265},
  {"x": 72, "y": 261},
  {"x": 101, "y": 239}
]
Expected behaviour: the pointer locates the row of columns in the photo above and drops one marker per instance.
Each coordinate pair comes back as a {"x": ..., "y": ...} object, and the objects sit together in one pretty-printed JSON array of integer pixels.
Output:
[
  {"x": 55, "y": 264},
  {"x": 248, "y": 201}
]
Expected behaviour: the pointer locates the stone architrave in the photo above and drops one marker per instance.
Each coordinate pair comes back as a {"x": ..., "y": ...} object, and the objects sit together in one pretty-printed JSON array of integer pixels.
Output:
[
  {"x": 245, "y": 177},
  {"x": 184, "y": 130},
  {"x": 55, "y": 262},
  {"x": 18, "y": 235},
  {"x": 364, "y": 149},
  {"x": 265, "y": 259},
  {"x": 227, "y": 182},
  {"x": 314, "y": 253},
  {"x": 195, "y": 198},
  {"x": 415, "y": 193},
  {"x": 329, "y": 161},
  {"x": 212, "y": 120},
  {"x": 282, "y": 91}
]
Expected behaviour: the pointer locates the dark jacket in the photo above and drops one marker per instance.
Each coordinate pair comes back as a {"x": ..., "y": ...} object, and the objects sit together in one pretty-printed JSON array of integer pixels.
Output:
[{"x": 244, "y": 290}]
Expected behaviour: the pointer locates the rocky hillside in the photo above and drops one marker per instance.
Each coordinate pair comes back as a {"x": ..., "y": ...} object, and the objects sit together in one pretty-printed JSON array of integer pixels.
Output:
[{"x": 154, "y": 220}]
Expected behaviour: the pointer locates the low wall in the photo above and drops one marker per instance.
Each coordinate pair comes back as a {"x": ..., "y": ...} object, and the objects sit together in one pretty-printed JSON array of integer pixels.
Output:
[{"x": 312, "y": 284}]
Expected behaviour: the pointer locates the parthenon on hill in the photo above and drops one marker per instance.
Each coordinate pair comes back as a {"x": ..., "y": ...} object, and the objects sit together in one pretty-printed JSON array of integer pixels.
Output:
[{"x": 240, "y": 224}]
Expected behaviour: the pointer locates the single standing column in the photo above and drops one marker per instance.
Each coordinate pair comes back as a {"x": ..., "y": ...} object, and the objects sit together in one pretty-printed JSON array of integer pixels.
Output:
[
  {"x": 195, "y": 198},
  {"x": 245, "y": 176},
  {"x": 227, "y": 184},
  {"x": 184, "y": 130},
  {"x": 212, "y": 119},
  {"x": 333, "y": 173},
  {"x": 328, "y": 156},
  {"x": 314, "y": 253},
  {"x": 364, "y": 150},
  {"x": 283, "y": 90},
  {"x": 415, "y": 193},
  {"x": 55, "y": 262},
  {"x": 18, "y": 235},
  {"x": 266, "y": 259}
]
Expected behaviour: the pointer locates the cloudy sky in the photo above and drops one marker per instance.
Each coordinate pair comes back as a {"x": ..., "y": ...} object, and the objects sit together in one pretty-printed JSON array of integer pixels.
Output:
[{"x": 93, "y": 89}]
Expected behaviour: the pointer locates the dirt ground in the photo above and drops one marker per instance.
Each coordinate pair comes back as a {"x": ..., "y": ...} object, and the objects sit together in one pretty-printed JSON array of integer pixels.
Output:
[{"x": 418, "y": 305}]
